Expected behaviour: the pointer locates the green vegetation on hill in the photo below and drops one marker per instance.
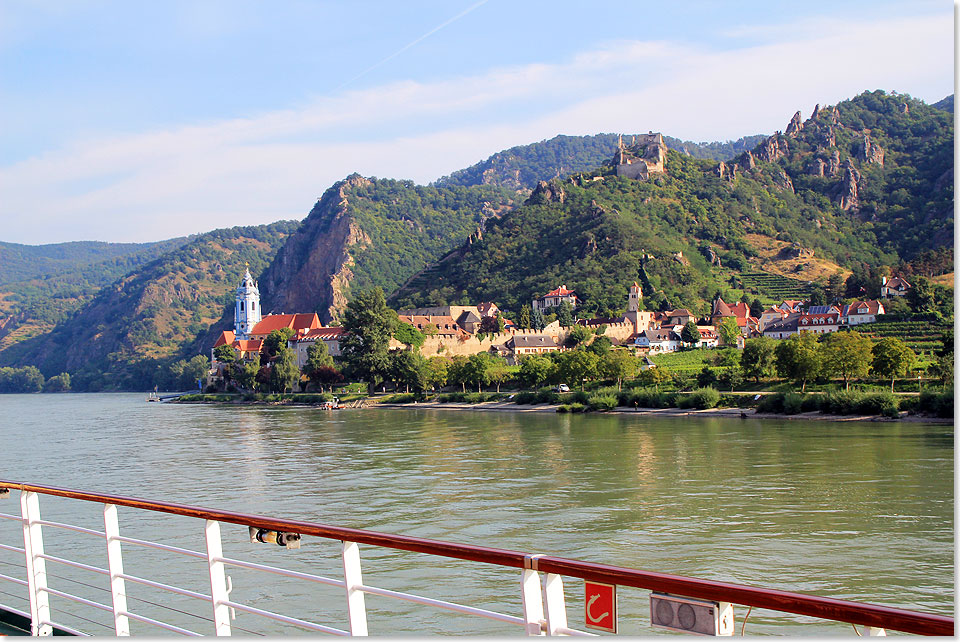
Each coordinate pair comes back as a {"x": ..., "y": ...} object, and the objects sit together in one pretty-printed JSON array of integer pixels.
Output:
[
  {"x": 522, "y": 166},
  {"x": 411, "y": 226},
  {"x": 775, "y": 286},
  {"x": 134, "y": 328}
]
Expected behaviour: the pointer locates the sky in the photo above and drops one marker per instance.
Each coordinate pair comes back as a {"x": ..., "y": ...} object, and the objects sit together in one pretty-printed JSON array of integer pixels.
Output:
[{"x": 135, "y": 122}]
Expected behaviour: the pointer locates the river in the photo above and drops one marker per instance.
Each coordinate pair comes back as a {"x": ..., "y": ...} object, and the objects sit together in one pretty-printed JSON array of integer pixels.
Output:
[{"x": 853, "y": 510}]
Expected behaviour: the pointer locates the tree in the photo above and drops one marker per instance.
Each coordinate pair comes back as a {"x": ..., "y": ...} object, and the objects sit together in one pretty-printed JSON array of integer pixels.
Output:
[
  {"x": 437, "y": 372},
  {"x": 756, "y": 360},
  {"x": 654, "y": 376},
  {"x": 690, "y": 334},
  {"x": 477, "y": 370},
  {"x": 59, "y": 383},
  {"x": 730, "y": 378},
  {"x": 847, "y": 354},
  {"x": 600, "y": 345},
  {"x": 565, "y": 314},
  {"x": 327, "y": 376},
  {"x": 408, "y": 335},
  {"x": 578, "y": 334},
  {"x": 798, "y": 358},
  {"x": 892, "y": 358},
  {"x": 525, "y": 317},
  {"x": 275, "y": 340},
  {"x": 185, "y": 374},
  {"x": 921, "y": 296},
  {"x": 368, "y": 325},
  {"x": 706, "y": 378},
  {"x": 225, "y": 354},
  {"x": 835, "y": 287},
  {"x": 317, "y": 359},
  {"x": 535, "y": 370},
  {"x": 756, "y": 308},
  {"x": 498, "y": 371},
  {"x": 457, "y": 371},
  {"x": 817, "y": 295},
  {"x": 283, "y": 369},
  {"x": 576, "y": 366},
  {"x": 492, "y": 325},
  {"x": 537, "y": 321},
  {"x": 245, "y": 374},
  {"x": 619, "y": 365},
  {"x": 408, "y": 369},
  {"x": 729, "y": 331}
]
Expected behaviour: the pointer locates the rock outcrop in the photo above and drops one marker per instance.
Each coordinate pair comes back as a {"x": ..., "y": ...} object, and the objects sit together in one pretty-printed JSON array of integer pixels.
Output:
[
  {"x": 795, "y": 126},
  {"x": 871, "y": 152},
  {"x": 546, "y": 192},
  {"x": 311, "y": 272},
  {"x": 849, "y": 195},
  {"x": 773, "y": 149}
]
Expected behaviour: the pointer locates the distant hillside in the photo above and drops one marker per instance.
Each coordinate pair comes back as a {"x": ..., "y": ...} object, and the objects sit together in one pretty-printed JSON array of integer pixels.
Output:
[
  {"x": 42, "y": 285},
  {"x": 522, "y": 166},
  {"x": 372, "y": 232},
  {"x": 868, "y": 182},
  {"x": 158, "y": 313},
  {"x": 946, "y": 104},
  {"x": 24, "y": 262}
]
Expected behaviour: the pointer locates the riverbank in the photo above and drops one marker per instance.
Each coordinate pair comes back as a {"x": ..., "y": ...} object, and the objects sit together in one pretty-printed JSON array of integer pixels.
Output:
[{"x": 732, "y": 413}]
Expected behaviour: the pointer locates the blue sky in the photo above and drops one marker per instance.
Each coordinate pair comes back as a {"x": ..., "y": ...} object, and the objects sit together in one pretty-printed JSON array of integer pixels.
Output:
[{"x": 130, "y": 121}]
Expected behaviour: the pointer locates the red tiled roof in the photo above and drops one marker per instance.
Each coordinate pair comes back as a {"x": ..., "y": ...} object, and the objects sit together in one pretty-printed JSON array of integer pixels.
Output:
[
  {"x": 248, "y": 345},
  {"x": 560, "y": 291},
  {"x": 295, "y": 322},
  {"x": 324, "y": 334},
  {"x": 226, "y": 337}
]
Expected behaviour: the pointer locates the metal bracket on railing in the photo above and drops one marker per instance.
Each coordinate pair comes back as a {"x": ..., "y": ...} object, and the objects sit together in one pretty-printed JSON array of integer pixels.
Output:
[
  {"x": 531, "y": 593},
  {"x": 218, "y": 579},
  {"x": 233, "y": 611},
  {"x": 353, "y": 578},
  {"x": 111, "y": 531},
  {"x": 36, "y": 566}
]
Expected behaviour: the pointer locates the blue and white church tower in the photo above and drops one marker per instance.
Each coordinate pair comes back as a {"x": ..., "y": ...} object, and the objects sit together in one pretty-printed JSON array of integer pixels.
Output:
[{"x": 246, "y": 313}]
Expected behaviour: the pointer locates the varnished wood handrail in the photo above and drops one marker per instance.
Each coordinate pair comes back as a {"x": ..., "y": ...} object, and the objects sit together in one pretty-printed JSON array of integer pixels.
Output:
[{"x": 784, "y": 601}]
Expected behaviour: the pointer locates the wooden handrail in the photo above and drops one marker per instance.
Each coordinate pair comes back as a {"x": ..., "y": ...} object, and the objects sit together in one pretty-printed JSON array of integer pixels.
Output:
[{"x": 784, "y": 601}]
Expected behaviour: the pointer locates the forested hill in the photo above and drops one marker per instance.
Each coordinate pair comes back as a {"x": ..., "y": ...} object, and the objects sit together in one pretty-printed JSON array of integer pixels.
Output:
[
  {"x": 865, "y": 183},
  {"x": 364, "y": 233},
  {"x": 946, "y": 104},
  {"x": 24, "y": 262},
  {"x": 132, "y": 329},
  {"x": 522, "y": 166}
]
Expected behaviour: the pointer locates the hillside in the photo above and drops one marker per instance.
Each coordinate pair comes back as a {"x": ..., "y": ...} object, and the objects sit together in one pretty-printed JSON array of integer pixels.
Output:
[
  {"x": 372, "y": 232},
  {"x": 42, "y": 285},
  {"x": 867, "y": 182},
  {"x": 158, "y": 313},
  {"x": 521, "y": 167}
]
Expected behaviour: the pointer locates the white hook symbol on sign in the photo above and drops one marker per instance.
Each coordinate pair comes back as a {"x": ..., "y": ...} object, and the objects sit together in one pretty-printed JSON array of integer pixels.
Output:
[{"x": 594, "y": 598}]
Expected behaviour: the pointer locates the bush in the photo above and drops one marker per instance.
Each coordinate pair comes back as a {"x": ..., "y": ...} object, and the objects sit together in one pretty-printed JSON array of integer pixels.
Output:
[
  {"x": 936, "y": 402},
  {"x": 452, "y": 397},
  {"x": 525, "y": 398},
  {"x": 771, "y": 403},
  {"x": 580, "y": 397},
  {"x": 699, "y": 398},
  {"x": 843, "y": 402},
  {"x": 602, "y": 402},
  {"x": 546, "y": 395},
  {"x": 793, "y": 403},
  {"x": 648, "y": 398},
  {"x": 879, "y": 403},
  {"x": 737, "y": 401},
  {"x": 402, "y": 397}
]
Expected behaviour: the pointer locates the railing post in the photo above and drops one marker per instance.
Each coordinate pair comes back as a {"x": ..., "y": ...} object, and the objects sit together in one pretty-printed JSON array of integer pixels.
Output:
[
  {"x": 553, "y": 600},
  {"x": 218, "y": 578},
  {"x": 118, "y": 589},
  {"x": 36, "y": 565},
  {"x": 532, "y": 601},
  {"x": 353, "y": 577}
]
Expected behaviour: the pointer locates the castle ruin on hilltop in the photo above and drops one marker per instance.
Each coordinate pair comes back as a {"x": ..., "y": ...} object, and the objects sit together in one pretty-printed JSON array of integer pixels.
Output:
[{"x": 644, "y": 156}]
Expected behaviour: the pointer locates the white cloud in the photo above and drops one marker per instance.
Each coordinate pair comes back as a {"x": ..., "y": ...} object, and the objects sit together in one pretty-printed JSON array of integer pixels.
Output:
[{"x": 271, "y": 166}]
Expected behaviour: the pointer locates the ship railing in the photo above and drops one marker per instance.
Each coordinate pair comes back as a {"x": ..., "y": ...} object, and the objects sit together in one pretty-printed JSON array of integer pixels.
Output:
[{"x": 541, "y": 592}]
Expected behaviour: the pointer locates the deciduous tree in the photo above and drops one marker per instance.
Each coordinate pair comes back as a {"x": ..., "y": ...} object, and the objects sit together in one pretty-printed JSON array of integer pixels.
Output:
[
  {"x": 892, "y": 358},
  {"x": 847, "y": 355}
]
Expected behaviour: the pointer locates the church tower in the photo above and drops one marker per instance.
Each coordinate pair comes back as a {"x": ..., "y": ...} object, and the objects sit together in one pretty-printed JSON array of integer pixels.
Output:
[
  {"x": 636, "y": 293},
  {"x": 246, "y": 313}
]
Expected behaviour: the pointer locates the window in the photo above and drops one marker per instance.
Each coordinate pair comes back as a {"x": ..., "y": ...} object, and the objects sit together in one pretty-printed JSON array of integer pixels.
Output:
[
  {"x": 253, "y": 305},
  {"x": 241, "y": 306}
]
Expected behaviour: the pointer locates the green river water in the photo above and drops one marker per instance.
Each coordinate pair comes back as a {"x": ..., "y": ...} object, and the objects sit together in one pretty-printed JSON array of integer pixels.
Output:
[{"x": 855, "y": 510}]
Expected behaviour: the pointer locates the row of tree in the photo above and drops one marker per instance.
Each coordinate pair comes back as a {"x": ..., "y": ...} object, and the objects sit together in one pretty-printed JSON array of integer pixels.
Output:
[{"x": 30, "y": 379}]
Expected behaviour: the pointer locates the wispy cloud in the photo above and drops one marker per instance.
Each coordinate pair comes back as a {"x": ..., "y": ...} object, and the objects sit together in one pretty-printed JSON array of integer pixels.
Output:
[{"x": 271, "y": 166}]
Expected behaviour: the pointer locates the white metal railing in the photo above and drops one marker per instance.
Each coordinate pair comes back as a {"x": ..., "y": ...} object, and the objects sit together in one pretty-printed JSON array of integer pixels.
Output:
[{"x": 541, "y": 600}]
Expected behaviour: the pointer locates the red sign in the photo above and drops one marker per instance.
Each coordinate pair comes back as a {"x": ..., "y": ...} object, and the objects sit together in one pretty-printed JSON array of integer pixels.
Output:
[{"x": 600, "y": 606}]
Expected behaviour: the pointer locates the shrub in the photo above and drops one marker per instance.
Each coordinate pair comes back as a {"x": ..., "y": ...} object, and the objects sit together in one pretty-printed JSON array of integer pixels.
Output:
[
  {"x": 563, "y": 408},
  {"x": 577, "y": 407},
  {"x": 879, "y": 403},
  {"x": 579, "y": 397},
  {"x": 452, "y": 397},
  {"x": 811, "y": 403},
  {"x": 771, "y": 403},
  {"x": 546, "y": 395},
  {"x": 793, "y": 403},
  {"x": 649, "y": 398},
  {"x": 602, "y": 402},
  {"x": 402, "y": 397},
  {"x": 936, "y": 402},
  {"x": 525, "y": 398},
  {"x": 699, "y": 398}
]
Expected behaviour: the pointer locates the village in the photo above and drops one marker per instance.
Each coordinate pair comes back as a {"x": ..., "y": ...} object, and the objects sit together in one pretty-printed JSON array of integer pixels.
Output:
[{"x": 465, "y": 330}]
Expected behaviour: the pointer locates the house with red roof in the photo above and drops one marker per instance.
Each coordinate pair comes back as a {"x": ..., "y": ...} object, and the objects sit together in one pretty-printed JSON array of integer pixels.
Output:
[
  {"x": 896, "y": 286},
  {"x": 553, "y": 298},
  {"x": 861, "y": 312}
]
